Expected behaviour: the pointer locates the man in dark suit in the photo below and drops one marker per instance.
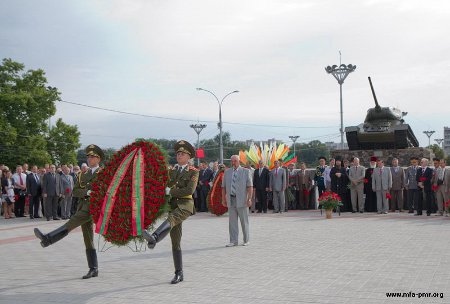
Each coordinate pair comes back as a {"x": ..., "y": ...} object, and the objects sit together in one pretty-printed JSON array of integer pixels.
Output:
[
  {"x": 204, "y": 179},
  {"x": 261, "y": 185},
  {"x": 423, "y": 177},
  {"x": 51, "y": 191},
  {"x": 34, "y": 192}
]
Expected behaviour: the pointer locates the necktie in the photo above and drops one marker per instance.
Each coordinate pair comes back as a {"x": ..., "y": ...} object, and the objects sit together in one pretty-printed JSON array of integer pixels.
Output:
[
  {"x": 36, "y": 178},
  {"x": 381, "y": 170},
  {"x": 20, "y": 179},
  {"x": 233, "y": 182},
  {"x": 276, "y": 172}
]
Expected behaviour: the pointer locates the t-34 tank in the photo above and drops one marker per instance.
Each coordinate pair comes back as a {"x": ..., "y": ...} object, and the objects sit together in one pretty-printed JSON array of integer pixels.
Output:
[{"x": 383, "y": 128}]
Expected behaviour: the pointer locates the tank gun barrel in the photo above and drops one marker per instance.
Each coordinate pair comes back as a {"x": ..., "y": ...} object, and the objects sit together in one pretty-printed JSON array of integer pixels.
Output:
[{"x": 373, "y": 93}]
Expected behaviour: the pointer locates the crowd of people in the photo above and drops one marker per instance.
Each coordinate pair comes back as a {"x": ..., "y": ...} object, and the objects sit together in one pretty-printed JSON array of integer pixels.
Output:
[
  {"x": 378, "y": 188},
  {"x": 47, "y": 190},
  {"x": 39, "y": 192}
]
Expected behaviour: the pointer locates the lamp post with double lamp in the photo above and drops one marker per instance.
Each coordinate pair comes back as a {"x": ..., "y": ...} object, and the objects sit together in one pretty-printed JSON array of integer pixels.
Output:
[
  {"x": 294, "y": 139},
  {"x": 340, "y": 73},
  {"x": 429, "y": 134},
  {"x": 198, "y": 128},
  {"x": 220, "y": 119},
  {"x": 439, "y": 142}
]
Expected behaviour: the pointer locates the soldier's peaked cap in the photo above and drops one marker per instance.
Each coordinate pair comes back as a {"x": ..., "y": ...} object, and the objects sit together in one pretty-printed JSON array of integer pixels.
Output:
[
  {"x": 94, "y": 150},
  {"x": 185, "y": 147}
]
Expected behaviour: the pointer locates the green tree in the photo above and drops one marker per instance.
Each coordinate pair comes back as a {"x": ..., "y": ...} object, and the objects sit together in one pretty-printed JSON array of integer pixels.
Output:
[
  {"x": 438, "y": 152},
  {"x": 62, "y": 143},
  {"x": 26, "y": 103},
  {"x": 310, "y": 152}
]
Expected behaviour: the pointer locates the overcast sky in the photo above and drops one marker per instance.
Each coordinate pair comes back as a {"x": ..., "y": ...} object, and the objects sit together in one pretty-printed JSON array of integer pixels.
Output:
[{"x": 147, "y": 57}]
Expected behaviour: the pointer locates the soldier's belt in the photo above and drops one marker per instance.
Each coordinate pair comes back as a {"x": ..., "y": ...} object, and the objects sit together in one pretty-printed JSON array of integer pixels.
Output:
[{"x": 183, "y": 197}]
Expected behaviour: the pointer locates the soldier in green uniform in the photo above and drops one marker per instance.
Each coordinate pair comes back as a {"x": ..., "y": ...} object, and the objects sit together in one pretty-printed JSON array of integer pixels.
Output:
[
  {"x": 82, "y": 217},
  {"x": 183, "y": 179}
]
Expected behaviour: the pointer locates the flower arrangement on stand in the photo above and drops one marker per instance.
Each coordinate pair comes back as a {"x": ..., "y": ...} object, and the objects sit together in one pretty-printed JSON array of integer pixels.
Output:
[
  {"x": 329, "y": 200},
  {"x": 129, "y": 193}
]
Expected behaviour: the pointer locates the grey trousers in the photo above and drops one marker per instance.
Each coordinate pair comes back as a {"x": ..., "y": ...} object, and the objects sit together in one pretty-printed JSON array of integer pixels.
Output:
[
  {"x": 441, "y": 198},
  {"x": 357, "y": 197},
  {"x": 382, "y": 201},
  {"x": 66, "y": 206},
  {"x": 278, "y": 201},
  {"x": 233, "y": 214}
]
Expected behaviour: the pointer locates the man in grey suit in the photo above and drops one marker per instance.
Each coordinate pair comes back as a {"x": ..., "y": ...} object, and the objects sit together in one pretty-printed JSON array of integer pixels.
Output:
[
  {"x": 237, "y": 190},
  {"x": 398, "y": 183},
  {"x": 356, "y": 175},
  {"x": 441, "y": 182},
  {"x": 381, "y": 184},
  {"x": 51, "y": 192},
  {"x": 277, "y": 184},
  {"x": 411, "y": 184}
]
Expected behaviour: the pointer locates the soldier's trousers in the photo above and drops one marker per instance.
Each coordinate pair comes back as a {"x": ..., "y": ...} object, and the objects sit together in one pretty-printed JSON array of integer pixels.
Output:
[
  {"x": 176, "y": 218},
  {"x": 84, "y": 219}
]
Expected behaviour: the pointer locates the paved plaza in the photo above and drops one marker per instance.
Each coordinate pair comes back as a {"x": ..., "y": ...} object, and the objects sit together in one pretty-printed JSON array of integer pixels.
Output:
[{"x": 296, "y": 257}]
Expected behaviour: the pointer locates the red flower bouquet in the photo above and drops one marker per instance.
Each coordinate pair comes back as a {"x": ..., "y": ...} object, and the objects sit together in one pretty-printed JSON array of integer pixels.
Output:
[
  {"x": 422, "y": 179},
  {"x": 366, "y": 181},
  {"x": 388, "y": 195},
  {"x": 329, "y": 200},
  {"x": 434, "y": 188},
  {"x": 214, "y": 198},
  {"x": 129, "y": 192}
]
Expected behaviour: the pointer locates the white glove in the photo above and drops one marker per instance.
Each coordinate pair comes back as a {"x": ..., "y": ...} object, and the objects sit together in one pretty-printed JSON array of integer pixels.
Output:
[
  {"x": 167, "y": 190},
  {"x": 88, "y": 193}
]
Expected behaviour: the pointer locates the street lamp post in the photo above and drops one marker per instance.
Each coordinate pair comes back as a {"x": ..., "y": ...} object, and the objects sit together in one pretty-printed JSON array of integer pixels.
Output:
[
  {"x": 294, "y": 139},
  {"x": 220, "y": 119},
  {"x": 198, "y": 128},
  {"x": 439, "y": 142},
  {"x": 340, "y": 73},
  {"x": 429, "y": 134}
]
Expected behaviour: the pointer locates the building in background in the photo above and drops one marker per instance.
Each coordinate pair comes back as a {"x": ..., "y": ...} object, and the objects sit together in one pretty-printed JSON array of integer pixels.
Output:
[{"x": 446, "y": 141}]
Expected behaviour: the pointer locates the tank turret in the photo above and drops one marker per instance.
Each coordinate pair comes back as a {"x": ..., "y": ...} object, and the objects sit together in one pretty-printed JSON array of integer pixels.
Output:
[{"x": 383, "y": 128}]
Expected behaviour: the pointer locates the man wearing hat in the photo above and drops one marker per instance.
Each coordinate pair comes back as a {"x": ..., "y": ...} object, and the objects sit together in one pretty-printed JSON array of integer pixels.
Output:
[
  {"x": 183, "y": 179},
  {"x": 82, "y": 190},
  {"x": 319, "y": 177}
]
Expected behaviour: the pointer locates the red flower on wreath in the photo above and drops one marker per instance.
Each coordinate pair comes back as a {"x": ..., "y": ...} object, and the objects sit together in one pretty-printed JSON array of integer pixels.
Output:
[
  {"x": 155, "y": 176},
  {"x": 214, "y": 198}
]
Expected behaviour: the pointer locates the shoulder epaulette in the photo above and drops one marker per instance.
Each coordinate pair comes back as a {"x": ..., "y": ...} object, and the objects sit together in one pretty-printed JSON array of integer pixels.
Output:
[{"x": 193, "y": 168}]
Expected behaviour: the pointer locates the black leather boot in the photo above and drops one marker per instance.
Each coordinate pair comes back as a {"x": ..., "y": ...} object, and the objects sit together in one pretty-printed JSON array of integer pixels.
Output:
[
  {"x": 158, "y": 235},
  {"x": 91, "y": 255},
  {"x": 178, "y": 263},
  {"x": 52, "y": 237}
]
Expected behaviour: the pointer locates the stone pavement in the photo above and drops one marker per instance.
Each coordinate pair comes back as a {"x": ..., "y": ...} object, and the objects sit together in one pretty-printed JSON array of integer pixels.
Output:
[{"x": 296, "y": 257}]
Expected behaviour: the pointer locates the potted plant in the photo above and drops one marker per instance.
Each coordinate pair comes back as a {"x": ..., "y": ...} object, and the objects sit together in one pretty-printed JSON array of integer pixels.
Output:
[{"x": 329, "y": 200}]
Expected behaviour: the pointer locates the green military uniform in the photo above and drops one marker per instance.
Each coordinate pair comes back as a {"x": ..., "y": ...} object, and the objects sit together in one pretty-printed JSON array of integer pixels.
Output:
[
  {"x": 82, "y": 217},
  {"x": 181, "y": 186}
]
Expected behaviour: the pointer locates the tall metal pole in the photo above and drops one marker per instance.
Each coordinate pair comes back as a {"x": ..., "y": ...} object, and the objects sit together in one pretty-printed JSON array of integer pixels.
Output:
[
  {"x": 439, "y": 142},
  {"x": 429, "y": 134},
  {"x": 198, "y": 128},
  {"x": 220, "y": 119},
  {"x": 340, "y": 73},
  {"x": 294, "y": 139}
]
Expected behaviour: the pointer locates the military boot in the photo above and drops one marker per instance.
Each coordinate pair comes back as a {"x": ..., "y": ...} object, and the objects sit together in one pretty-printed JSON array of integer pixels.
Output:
[
  {"x": 91, "y": 255},
  {"x": 158, "y": 235},
  {"x": 52, "y": 237},
  {"x": 178, "y": 263}
]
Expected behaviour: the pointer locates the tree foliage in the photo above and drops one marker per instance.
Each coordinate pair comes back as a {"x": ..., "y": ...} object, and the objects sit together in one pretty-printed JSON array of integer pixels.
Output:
[{"x": 26, "y": 102}]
